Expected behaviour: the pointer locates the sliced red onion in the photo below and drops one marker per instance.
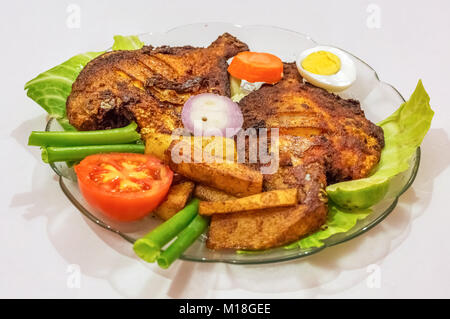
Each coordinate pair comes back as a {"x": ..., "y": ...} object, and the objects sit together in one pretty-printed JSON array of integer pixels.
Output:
[{"x": 210, "y": 114}]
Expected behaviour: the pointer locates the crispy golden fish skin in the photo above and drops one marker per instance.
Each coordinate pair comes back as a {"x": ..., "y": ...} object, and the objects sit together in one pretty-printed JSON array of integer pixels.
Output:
[
  {"x": 323, "y": 138},
  {"x": 148, "y": 85}
]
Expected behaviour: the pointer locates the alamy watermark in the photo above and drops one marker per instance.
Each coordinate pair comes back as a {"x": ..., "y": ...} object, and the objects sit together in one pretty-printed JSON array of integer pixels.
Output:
[
  {"x": 73, "y": 20},
  {"x": 74, "y": 276},
  {"x": 373, "y": 20},
  {"x": 374, "y": 278}
]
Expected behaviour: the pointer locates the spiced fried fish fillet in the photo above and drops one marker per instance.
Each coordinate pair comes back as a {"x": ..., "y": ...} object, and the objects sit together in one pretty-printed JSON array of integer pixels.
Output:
[
  {"x": 323, "y": 138},
  {"x": 300, "y": 109},
  {"x": 149, "y": 85}
]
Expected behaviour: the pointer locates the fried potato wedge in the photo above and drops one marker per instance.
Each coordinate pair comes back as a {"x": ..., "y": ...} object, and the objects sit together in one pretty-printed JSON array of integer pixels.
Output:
[
  {"x": 231, "y": 177},
  {"x": 209, "y": 194},
  {"x": 156, "y": 144},
  {"x": 177, "y": 198},
  {"x": 265, "y": 228},
  {"x": 271, "y": 199}
]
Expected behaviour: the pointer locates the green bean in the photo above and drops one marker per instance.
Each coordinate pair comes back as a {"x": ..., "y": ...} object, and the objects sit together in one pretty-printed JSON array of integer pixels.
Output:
[
  {"x": 121, "y": 135},
  {"x": 149, "y": 247},
  {"x": 183, "y": 241},
  {"x": 77, "y": 153}
]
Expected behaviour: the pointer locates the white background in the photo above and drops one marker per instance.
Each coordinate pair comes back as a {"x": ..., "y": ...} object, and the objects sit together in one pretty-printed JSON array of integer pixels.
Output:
[{"x": 41, "y": 234}]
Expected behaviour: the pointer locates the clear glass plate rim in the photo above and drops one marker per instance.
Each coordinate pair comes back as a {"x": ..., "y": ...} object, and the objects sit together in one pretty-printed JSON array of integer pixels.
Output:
[{"x": 301, "y": 254}]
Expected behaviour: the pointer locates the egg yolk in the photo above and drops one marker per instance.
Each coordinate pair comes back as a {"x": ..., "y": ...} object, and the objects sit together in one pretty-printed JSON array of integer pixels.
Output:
[{"x": 322, "y": 63}]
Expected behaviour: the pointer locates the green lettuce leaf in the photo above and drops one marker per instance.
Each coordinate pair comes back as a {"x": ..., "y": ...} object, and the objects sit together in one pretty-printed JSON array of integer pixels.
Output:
[
  {"x": 51, "y": 88},
  {"x": 237, "y": 93},
  {"x": 404, "y": 131},
  {"x": 131, "y": 42}
]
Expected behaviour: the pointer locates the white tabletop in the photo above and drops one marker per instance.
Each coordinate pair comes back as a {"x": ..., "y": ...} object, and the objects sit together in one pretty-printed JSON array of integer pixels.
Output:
[{"x": 45, "y": 242}]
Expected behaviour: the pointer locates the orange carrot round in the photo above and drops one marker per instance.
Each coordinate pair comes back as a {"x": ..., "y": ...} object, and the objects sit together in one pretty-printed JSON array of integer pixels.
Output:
[{"x": 256, "y": 67}]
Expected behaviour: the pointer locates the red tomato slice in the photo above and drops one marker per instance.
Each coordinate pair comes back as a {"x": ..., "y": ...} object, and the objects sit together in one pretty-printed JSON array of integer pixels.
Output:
[{"x": 123, "y": 186}]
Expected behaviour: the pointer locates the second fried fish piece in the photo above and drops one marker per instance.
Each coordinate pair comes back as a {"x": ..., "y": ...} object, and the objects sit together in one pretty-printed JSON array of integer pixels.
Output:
[{"x": 353, "y": 143}]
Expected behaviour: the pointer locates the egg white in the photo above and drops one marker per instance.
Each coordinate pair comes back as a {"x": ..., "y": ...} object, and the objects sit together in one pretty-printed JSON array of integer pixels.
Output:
[{"x": 337, "y": 82}]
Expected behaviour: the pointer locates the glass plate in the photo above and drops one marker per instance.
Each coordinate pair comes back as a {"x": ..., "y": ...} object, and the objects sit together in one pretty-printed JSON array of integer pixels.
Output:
[{"x": 378, "y": 99}]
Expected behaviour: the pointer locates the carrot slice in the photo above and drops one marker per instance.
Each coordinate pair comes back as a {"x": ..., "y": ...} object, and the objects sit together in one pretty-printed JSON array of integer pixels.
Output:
[{"x": 256, "y": 67}]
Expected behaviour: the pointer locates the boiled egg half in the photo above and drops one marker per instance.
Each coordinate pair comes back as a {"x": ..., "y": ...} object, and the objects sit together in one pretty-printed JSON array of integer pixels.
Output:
[{"x": 327, "y": 67}]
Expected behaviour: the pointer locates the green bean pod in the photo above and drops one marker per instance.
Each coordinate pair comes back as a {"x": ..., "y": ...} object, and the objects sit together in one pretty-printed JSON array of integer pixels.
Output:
[
  {"x": 77, "y": 153},
  {"x": 149, "y": 247},
  {"x": 185, "y": 239},
  {"x": 127, "y": 134}
]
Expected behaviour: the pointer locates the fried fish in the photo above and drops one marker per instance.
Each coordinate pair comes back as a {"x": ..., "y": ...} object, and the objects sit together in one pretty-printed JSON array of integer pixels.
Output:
[{"x": 149, "y": 85}]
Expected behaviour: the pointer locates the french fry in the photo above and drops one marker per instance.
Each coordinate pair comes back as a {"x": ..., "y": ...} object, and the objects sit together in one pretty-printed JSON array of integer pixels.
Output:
[
  {"x": 209, "y": 194},
  {"x": 177, "y": 198},
  {"x": 228, "y": 176},
  {"x": 271, "y": 199}
]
